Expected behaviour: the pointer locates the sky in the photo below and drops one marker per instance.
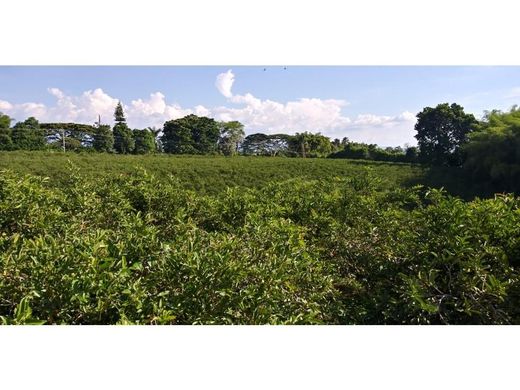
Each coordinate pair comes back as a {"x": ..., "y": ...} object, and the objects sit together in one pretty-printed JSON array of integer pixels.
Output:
[{"x": 373, "y": 104}]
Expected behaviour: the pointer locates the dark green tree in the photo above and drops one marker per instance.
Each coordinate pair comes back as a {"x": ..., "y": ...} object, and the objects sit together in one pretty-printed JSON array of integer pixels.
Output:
[
  {"x": 260, "y": 144},
  {"x": 231, "y": 134},
  {"x": 441, "y": 131},
  {"x": 119, "y": 115},
  {"x": 411, "y": 154},
  {"x": 5, "y": 121},
  {"x": 27, "y": 135},
  {"x": 144, "y": 141},
  {"x": 190, "y": 135},
  {"x": 493, "y": 152},
  {"x": 123, "y": 137},
  {"x": 103, "y": 139}
]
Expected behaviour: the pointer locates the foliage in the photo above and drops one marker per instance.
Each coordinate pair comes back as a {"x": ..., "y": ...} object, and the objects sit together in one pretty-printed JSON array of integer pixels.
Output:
[
  {"x": 441, "y": 131},
  {"x": 119, "y": 115},
  {"x": 190, "y": 135},
  {"x": 493, "y": 152},
  {"x": 5, "y": 121},
  {"x": 144, "y": 141},
  {"x": 231, "y": 135},
  {"x": 103, "y": 139},
  {"x": 204, "y": 174},
  {"x": 309, "y": 145},
  {"x": 27, "y": 135},
  {"x": 140, "y": 249},
  {"x": 76, "y": 135},
  {"x": 124, "y": 142},
  {"x": 259, "y": 144}
]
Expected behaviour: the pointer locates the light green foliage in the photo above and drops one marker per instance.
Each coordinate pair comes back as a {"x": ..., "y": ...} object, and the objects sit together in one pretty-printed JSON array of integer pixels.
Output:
[
  {"x": 309, "y": 145},
  {"x": 231, "y": 135},
  {"x": 204, "y": 174},
  {"x": 133, "y": 248}
]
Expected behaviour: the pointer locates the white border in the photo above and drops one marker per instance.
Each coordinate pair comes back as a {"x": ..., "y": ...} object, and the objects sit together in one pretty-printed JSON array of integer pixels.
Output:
[
  {"x": 268, "y": 357},
  {"x": 259, "y": 32},
  {"x": 262, "y": 32}
]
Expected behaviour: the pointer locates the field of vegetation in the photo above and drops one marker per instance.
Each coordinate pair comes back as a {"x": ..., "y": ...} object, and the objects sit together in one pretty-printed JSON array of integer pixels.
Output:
[
  {"x": 204, "y": 174},
  {"x": 113, "y": 239}
]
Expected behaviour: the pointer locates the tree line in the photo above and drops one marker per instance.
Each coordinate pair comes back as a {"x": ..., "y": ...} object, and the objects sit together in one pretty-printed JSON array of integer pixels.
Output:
[
  {"x": 488, "y": 149},
  {"x": 188, "y": 135}
]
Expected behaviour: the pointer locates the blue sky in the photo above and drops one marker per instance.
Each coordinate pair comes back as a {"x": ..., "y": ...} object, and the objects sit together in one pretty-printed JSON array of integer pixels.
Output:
[{"x": 371, "y": 104}]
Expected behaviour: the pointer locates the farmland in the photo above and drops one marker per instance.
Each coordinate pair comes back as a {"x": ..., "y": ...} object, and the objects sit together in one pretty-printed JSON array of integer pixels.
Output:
[
  {"x": 204, "y": 174},
  {"x": 107, "y": 239}
]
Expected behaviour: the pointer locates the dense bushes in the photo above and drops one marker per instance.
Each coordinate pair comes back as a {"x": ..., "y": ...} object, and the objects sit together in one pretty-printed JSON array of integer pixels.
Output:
[{"x": 134, "y": 249}]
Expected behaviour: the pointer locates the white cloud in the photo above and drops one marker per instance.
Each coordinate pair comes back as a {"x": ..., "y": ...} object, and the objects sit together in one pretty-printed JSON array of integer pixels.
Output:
[
  {"x": 224, "y": 83},
  {"x": 257, "y": 115},
  {"x": 312, "y": 114}
]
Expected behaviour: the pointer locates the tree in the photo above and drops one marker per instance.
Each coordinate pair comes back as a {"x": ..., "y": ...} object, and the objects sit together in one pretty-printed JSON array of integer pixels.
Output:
[
  {"x": 144, "y": 141},
  {"x": 190, "y": 135},
  {"x": 411, "y": 153},
  {"x": 119, "y": 115},
  {"x": 68, "y": 136},
  {"x": 27, "y": 135},
  {"x": 6, "y": 143},
  {"x": 259, "y": 144},
  {"x": 310, "y": 145},
  {"x": 123, "y": 139},
  {"x": 156, "y": 132},
  {"x": 123, "y": 136},
  {"x": 103, "y": 139},
  {"x": 441, "y": 131},
  {"x": 5, "y": 121},
  {"x": 493, "y": 151},
  {"x": 231, "y": 134}
]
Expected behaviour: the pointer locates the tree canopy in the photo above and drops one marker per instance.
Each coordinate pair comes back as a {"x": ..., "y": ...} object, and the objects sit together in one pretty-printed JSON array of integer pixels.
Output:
[
  {"x": 190, "y": 135},
  {"x": 441, "y": 131}
]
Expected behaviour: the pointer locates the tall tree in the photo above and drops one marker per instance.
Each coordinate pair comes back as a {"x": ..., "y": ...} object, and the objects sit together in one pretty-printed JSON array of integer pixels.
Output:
[
  {"x": 123, "y": 136},
  {"x": 441, "y": 131},
  {"x": 231, "y": 134},
  {"x": 119, "y": 115},
  {"x": 190, "y": 135}
]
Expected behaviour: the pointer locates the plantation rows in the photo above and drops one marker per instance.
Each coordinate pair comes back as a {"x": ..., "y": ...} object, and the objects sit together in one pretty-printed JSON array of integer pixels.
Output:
[
  {"x": 204, "y": 174},
  {"x": 354, "y": 249}
]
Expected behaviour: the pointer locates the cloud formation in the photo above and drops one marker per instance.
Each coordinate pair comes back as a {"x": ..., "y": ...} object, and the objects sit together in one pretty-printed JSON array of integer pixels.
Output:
[{"x": 258, "y": 115}]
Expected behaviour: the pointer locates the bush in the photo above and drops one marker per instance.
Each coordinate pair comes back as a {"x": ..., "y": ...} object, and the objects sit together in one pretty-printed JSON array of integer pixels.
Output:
[{"x": 134, "y": 249}]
